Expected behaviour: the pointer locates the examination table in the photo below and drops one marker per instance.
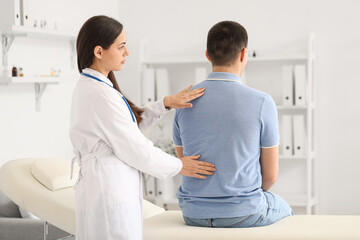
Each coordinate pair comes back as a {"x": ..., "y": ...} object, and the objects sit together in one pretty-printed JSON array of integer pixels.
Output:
[{"x": 42, "y": 187}]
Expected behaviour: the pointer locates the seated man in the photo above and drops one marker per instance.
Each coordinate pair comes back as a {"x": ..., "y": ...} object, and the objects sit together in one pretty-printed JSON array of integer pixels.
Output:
[{"x": 236, "y": 128}]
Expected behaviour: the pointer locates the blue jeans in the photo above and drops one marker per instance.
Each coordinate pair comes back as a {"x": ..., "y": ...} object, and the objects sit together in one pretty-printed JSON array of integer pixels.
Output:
[{"x": 275, "y": 209}]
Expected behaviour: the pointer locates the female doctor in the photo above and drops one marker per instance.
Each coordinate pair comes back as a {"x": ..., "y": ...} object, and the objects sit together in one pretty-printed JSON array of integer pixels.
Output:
[{"x": 108, "y": 144}]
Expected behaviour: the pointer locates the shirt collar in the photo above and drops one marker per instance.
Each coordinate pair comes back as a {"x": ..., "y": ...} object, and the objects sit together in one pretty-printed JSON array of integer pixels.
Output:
[
  {"x": 223, "y": 76},
  {"x": 97, "y": 74}
]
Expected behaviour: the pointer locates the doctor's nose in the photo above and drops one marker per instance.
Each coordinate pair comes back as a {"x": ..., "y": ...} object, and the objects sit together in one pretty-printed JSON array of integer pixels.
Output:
[{"x": 127, "y": 52}]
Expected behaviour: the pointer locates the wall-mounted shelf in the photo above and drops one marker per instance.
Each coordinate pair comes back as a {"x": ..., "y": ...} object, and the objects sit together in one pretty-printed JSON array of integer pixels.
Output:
[
  {"x": 8, "y": 36},
  {"x": 10, "y": 80},
  {"x": 40, "y": 84},
  {"x": 26, "y": 31}
]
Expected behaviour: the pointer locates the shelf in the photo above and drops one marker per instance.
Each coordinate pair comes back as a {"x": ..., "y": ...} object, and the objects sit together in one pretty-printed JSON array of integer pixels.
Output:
[
  {"x": 163, "y": 60},
  {"x": 9, "y": 80},
  {"x": 298, "y": 200},
  {"x": 278, "y": 58},
  {"x": 39, "y": 82},
  {"x": 12, "y": 32},
  {"x": 293, "y": 107},
  {"x": 168, "y": 200},
  {"x": 24, "y": 31},
  {"x": 292, "y": 157},
  {"x": 8, "y": 36},
  {"x": 281, "y": 157},
  {"x": 174, "y": 60}
]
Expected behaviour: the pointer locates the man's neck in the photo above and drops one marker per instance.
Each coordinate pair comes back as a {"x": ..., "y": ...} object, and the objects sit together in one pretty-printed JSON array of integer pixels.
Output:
[{"x": 229, "y": 69}]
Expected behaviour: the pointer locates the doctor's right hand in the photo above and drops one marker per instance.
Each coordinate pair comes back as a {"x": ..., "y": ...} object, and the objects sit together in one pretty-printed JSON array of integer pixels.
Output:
[{"x": 193, "y": 168}]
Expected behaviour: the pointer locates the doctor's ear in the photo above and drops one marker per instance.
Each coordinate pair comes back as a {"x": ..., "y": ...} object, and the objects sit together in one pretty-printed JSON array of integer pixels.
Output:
[{"x": 98, "y": 52}]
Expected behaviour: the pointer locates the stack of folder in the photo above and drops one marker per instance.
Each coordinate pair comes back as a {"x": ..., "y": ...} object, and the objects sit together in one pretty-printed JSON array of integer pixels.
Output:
[
  {"x": 293, "y": 135},
  {"x": 293, "y": 126},
  {"x": 294, "y": 85}
]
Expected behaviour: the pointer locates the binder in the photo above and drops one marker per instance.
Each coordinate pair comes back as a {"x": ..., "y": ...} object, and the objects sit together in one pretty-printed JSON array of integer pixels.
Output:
[
  {"x": 299, "y": 135},
  {"x": 200, "y": 74},
  {"x": 300, "y": 81},
  {"x": 166, "y": 188},
  {"x": 162, "y": 83},
  {"x": 10, "y": 14},
  {"x": 17, "y": 12},
  {"x": 288, "y": 85},
  {"x": 287, "y": 135},
  {"x": 24, "y": 12},
  {"x": 148, "y": 86},
  {"x": 149, "y": 186}
]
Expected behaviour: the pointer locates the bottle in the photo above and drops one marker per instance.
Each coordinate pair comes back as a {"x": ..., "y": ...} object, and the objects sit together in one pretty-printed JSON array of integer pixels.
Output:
[
  {"x": 14, "y": 72},
  {"x": 21, "y": 73}
]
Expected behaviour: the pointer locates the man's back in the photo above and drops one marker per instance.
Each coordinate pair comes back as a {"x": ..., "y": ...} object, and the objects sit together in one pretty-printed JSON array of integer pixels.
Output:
[{"x": 227, "y": 126}]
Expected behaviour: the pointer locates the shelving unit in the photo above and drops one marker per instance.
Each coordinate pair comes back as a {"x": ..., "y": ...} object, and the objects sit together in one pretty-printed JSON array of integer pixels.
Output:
[
  {"x": 270, "y": 65},
  {"x": 10, "y": 33}
]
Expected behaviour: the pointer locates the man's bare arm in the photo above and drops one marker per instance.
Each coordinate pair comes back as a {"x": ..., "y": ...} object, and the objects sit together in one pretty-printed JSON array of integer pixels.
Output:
[
  {"x": 269, "y": 161},
  {"x": 179, "y": 151}
]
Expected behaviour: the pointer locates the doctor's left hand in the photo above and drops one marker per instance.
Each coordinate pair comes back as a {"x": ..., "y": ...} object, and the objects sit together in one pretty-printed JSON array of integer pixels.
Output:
[{"x": 182, "y": 99}]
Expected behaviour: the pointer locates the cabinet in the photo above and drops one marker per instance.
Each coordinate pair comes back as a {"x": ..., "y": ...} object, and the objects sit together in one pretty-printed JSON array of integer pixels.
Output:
[
  {"x": 268, "y": 72},
  {"x": 12, "y": 32}
]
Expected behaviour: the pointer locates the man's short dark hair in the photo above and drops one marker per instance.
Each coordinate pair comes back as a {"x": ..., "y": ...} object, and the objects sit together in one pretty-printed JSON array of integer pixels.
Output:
[{"x": 225, "y": 42}]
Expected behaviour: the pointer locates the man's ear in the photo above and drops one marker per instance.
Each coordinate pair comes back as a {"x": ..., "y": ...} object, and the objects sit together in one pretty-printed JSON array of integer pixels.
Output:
[
  {"x": 207, "y": 55},
  {"x": 98, "y": 52},
  {"x": 242, "y": 54}
]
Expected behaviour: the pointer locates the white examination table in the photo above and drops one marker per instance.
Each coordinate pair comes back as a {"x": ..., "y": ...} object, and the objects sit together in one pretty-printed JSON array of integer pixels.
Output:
[{"x": 57, "y": 208}]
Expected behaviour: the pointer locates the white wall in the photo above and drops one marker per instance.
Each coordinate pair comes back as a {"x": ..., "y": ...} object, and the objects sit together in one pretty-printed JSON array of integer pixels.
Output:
[
  {"x": 180, "y": 28},
  {"x": 23, "y": 131}
]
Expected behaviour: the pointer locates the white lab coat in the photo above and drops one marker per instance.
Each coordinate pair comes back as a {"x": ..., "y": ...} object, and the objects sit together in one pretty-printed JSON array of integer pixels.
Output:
[{"x": 112, "y": 152}]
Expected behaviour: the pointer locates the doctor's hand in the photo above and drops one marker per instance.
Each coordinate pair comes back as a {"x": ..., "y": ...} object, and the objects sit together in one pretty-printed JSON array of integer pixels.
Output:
[
  {"x": 182, "y": 99},
  {"x": 193, "y": 167}
]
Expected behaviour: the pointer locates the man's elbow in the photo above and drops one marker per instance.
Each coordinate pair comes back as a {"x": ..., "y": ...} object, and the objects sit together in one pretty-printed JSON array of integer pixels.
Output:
[
  {"x": 268, "y": 181},
  {"x": 271, "y": 179}
]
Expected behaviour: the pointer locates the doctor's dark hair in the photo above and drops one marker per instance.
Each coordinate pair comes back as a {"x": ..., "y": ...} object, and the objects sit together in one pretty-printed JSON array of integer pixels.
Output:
[
  {"x": 100, "y": 31},
  {"x": 225, "y": 41}
]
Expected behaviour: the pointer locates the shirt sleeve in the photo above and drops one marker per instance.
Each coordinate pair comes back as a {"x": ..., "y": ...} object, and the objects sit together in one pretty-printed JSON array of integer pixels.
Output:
[
  {"x": 152, "y": 113},
  {"x": 269, "y": 136},
  {"x": 115, "y": 126},
  {"x": 176, "y": 130}
]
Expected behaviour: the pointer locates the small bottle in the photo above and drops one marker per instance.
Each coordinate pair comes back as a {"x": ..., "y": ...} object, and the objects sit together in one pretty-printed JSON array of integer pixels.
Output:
[
  {"x": 14, "y": 72},
  {"x": 21, "y": 73}
]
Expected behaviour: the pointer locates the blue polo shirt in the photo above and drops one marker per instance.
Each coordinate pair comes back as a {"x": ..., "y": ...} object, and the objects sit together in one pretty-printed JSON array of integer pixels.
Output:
[{"x": 227, "y": 126}]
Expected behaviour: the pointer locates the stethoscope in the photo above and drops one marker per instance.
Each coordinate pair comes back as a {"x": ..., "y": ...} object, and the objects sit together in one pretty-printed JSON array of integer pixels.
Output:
[{"x": 99, "y": 80}]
